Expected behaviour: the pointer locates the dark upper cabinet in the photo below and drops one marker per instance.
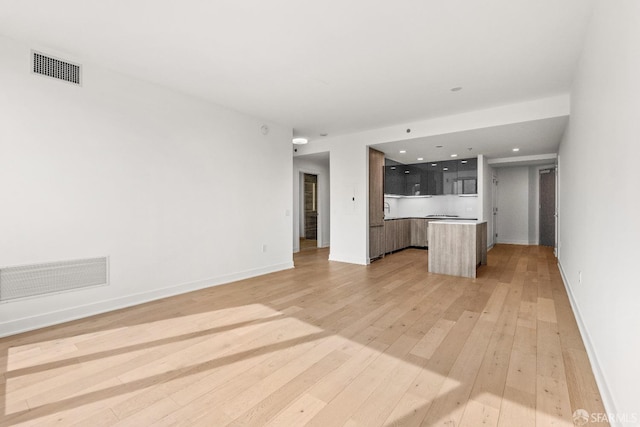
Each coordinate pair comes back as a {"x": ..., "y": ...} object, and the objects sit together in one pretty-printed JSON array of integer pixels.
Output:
[
  {"x": 412, "y": 180},
  {"x": 432, "y": 178},
  {"x": 394, "y": 180},
  {"x": 467, "y": 179},
  {"x": 449, "y": 176},
  {"x": 441, "y": 177},
  {"x": 452, "y": 177}
]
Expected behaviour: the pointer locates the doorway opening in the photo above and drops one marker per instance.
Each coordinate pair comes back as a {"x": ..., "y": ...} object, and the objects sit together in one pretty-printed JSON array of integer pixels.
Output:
[
  {"x": 547, "y": 208},
  {"x": 309, "y": 235},
  {"x": 311, "y": 201}
]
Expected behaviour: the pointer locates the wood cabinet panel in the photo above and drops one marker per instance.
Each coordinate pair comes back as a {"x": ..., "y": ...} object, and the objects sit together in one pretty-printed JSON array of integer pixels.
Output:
[
  {"x": 397, "y": 234},
  {"x": 390, "y": 236},
  {"x": 405, "y": 233},
  {"x": 419, "y": 232},
  {"x": 457, "y": 248},
  {"x": 376, "y": 187},
  {"x": 376, "y": 204},
  {"x": 376, "y": 241}
]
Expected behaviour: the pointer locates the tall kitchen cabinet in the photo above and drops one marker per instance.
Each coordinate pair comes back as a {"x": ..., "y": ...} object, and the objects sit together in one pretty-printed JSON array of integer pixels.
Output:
[{"x": 376, "y": 204}]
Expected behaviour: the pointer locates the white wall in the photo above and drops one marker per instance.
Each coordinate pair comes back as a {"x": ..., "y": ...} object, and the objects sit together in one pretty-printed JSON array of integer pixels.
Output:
[
  {"x": 320, "y": 167},
  {"x": 485, "y": 194},
  {"x": 513, "y": 205},
  {"x": 598, "y": 178},
  {"x": 180, "y": 194}
]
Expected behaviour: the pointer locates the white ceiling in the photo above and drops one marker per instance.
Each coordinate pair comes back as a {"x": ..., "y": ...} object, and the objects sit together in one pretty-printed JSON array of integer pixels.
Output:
[
  {"x": 325, "y": 66},
  {"x": 532, "y": 138}
]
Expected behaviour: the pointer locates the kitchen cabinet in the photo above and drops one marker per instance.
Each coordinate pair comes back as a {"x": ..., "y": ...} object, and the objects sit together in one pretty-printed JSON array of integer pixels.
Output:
[
  {"x": 457, "y": 247},
  {"x": 452, "y": 177},
  {"x": 403, "y": 234},
  {"x": 394, "y": 180},
  {"x": 376, "y": 204},
  {"x": 419, "y": 232},
  {"x": 432, "y": 178},
  {"x": 467, "y": 177},
  {"x": 390, "y": 236},
  {"x": 397, "y": 234},
  {"x": 376, "y": 241},
  {"x": 412, "y": 175},
  {"x": 442, "y": 177}
]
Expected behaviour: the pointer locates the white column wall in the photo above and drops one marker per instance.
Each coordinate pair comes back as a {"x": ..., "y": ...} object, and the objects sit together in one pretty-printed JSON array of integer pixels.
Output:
[{"x": 599, "y": 228}]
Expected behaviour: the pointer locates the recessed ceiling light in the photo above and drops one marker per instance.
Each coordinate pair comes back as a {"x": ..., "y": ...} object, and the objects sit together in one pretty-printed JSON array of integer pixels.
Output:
[
  {"x": 516, "y": 149},
  {"x": 456, "y": 89},
  {"x": 454, "y": 155},
  {"x": 463, "y": 161},
  {"x": 403, "y": 151},
  {"x": 300, "y": 141},
  {"x": 393, "y": 167},
  {"x": 445, "y": 169},
  {"x": 420, "y": 158},
  {"x": 434, "y": 164},
  {"x": 406, "y": 171}
]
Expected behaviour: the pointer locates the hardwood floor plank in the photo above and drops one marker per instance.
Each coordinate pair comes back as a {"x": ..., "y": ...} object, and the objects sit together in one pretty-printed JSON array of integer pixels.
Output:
[{"x": 325, "y": 344}]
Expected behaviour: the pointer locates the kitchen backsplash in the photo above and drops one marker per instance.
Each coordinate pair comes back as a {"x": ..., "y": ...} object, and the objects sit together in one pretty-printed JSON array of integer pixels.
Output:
[{"x": 465, "y": 207}]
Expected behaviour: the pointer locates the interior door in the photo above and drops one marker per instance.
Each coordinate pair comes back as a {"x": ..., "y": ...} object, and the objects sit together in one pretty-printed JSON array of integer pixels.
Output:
[
  {"x": 493, "y": 234},
  {"x": 547, "y": 213},
  {"x": 310, "y": 206}
]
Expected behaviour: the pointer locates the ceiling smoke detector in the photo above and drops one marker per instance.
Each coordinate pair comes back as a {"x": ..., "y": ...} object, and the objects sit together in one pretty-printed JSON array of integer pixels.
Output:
[{"x": 299, "y": 141}]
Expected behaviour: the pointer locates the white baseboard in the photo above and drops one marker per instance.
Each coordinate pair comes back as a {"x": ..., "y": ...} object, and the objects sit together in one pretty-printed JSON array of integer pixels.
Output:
[
  {"x": 30, "y": 323},
  {"x": 513, "y": 242},
  {"x": 605, "y": 393},
  {"x": 348, "y": 259}
]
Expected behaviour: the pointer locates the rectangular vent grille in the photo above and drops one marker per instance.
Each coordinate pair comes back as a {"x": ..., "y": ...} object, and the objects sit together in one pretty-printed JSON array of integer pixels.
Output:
[
  {"x": 52, "y": 67},
  {"x": 42, "y": 279}
]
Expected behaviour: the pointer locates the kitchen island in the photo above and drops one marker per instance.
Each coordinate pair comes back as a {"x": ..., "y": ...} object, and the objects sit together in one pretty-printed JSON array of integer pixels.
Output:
[{"x": 457, "y": 247}]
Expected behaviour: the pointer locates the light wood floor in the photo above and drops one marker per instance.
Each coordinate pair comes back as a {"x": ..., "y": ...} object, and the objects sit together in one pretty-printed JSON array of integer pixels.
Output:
[
  {"x": 308, "y": 243},
  {"x": 324, "y": 344}
]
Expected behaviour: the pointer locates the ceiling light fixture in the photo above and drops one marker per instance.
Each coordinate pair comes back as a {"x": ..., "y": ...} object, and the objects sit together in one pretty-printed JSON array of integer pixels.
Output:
[
  {"x": 454, "y": 155},
  {"x": 299, "y": 141},
  {"x": 463, "y": 161},
  {"x": 420, "y": 158},
  {"x": 516, "y": 149},
  {"x": 393, "y": 167},
  {"x": 406, "y": 171},
  {"x": 434, "y": 164},
  {"x": 445, "y": 169},
  {"x": 403, "y": 151}
]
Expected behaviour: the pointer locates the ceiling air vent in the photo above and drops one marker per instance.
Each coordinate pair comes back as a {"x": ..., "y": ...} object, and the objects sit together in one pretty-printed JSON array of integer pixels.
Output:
[{"x": 58, "y": 69}]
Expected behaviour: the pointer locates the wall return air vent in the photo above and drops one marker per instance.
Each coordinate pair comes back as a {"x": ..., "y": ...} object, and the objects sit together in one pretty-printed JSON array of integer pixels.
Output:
[
  {"x": 41, "y": 279},
  {"x": 49, "y": 66}
]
